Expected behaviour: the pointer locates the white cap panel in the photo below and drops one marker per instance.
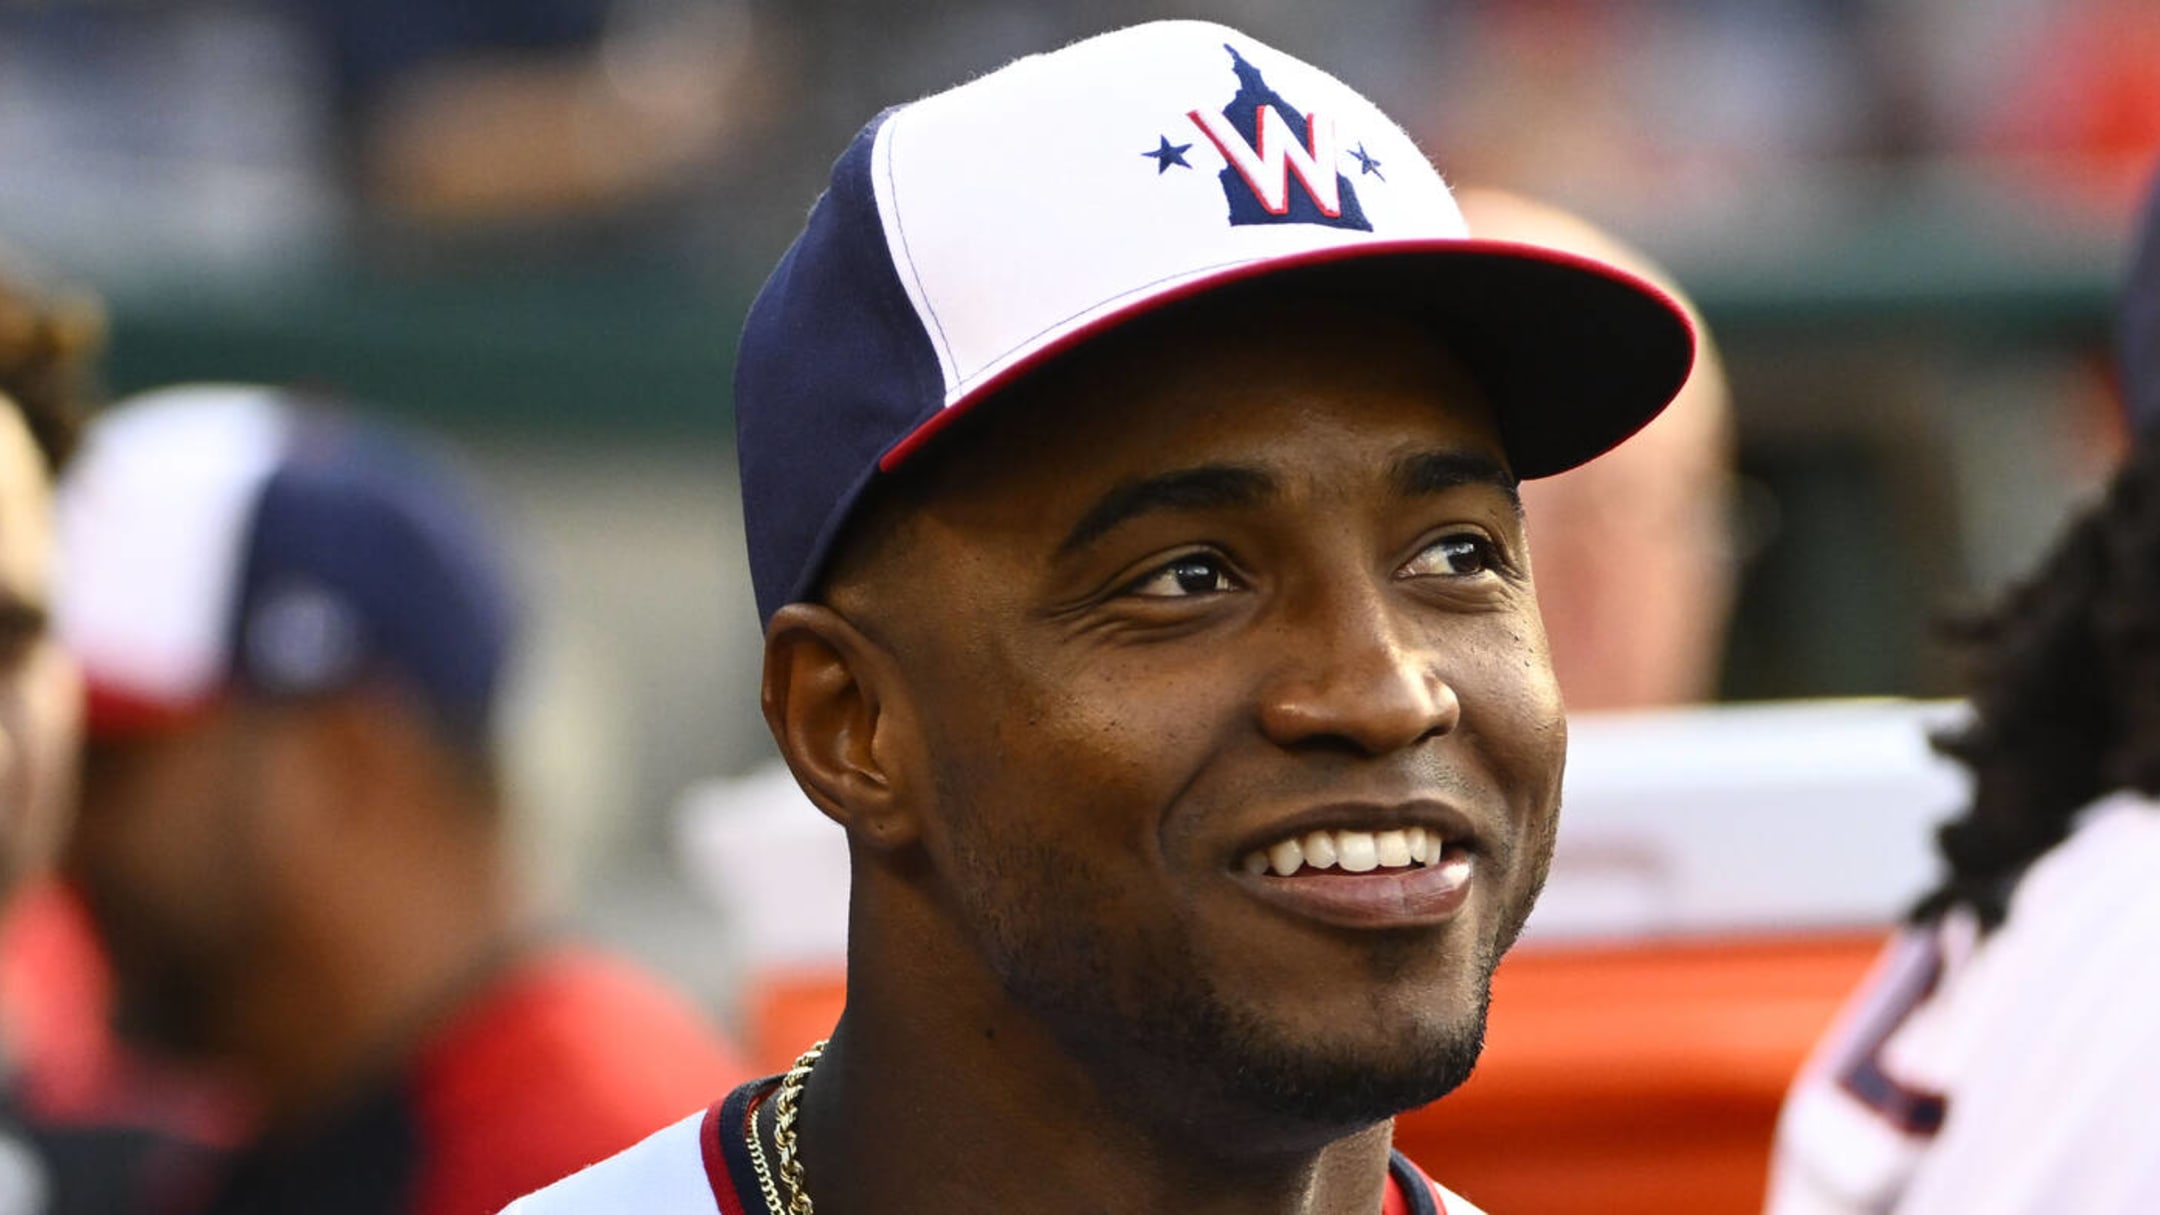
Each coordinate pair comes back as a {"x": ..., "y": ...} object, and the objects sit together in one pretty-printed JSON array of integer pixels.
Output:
[
  {"x": 153, "y": 520},
  {"x": 1130, "y": 177}
]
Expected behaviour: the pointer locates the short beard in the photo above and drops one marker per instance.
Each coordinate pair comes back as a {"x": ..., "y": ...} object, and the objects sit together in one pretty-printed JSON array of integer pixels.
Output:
[
  {"x": 1169, "y": 1050},
  {"x": 1302, "y": 1081}
]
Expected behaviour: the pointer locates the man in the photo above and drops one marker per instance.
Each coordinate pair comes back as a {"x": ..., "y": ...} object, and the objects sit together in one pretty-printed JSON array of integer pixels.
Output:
[
  {"x": 2003, "y": 1054},
  {"x": 1129, "y": 447},
  {"x": 292, "y": 841}
]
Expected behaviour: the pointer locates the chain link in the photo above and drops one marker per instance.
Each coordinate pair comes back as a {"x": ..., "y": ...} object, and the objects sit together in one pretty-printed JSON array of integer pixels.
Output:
[
  {"x": 758, "y": 1166},
  {"x": 785, "y": 1102},
  {"x": 784, "y": 1111}
]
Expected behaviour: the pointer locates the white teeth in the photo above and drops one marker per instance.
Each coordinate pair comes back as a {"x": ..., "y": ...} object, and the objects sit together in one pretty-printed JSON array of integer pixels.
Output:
[
  {"x": 1352, "y": 851},
  {"x": 1287, "y": 857},
  {"x": 1393, "y": 848},
  {"x": 1357, "y": 851},
  {"x": 1320, "y": 850}
]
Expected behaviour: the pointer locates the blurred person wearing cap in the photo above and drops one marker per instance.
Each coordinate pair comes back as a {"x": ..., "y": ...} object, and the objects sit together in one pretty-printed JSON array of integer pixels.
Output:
[
  {"x": 1634, "y": 551},
  {"x": 294, "y": 626},
  {"x": 2003, "y": 1054},
  {"x": 1129, "y": 454}
]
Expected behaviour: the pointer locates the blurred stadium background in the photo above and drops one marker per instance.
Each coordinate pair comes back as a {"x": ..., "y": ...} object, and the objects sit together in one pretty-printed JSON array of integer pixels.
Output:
[{"x": 536, "y": 225}]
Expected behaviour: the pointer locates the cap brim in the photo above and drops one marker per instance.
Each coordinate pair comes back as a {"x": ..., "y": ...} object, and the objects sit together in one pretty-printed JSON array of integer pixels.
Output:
[{"x": 1575, "y": 354}]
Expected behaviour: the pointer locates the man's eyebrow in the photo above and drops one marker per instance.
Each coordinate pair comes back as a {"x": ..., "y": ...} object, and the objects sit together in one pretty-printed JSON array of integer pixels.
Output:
[
  {"x": 1425, "y": 473},
  {"x": 1207, "y": 487}
]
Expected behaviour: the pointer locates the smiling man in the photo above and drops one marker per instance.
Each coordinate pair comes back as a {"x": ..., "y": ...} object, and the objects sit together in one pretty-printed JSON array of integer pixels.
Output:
[{"x": 1130, "y": 445}]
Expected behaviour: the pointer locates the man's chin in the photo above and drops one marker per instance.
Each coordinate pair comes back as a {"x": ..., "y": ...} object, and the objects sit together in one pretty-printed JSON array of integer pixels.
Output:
[{"x": 1326, "y": 1084}]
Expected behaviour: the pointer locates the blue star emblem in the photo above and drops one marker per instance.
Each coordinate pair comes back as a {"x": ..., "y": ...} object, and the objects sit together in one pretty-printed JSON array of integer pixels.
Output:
[
  {"x": 1169, "y": 154},
  {"x": 1367, "y": 163}
]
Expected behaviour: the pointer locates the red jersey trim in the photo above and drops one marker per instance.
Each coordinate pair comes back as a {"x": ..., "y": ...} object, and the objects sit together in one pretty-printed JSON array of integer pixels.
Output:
[
  {"x": 1410, "y": 1191},
  {"x": 715, "y": 1165},
  {"x": 726, "y": 1150}
]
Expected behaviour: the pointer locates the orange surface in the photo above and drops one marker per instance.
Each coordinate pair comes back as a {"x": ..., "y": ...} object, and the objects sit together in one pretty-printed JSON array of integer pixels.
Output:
[
  {"x": 1644, "y": 1078},
  {"x": 1621, "y": 1080}
]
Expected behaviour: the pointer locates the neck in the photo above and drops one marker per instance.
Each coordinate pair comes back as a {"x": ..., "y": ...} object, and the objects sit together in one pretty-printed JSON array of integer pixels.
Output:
[
  {"x": 373, "y": 968},
  {"x": 972, "y": 1106}
]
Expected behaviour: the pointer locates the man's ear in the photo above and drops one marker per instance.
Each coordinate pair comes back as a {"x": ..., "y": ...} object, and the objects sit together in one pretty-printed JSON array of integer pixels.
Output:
[{"x": 836, "y": 707}]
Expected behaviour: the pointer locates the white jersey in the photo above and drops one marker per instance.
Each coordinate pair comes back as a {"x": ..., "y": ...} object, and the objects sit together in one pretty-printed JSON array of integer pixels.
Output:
[
  {"x": 700, "y": 1166},
  {"x": 2016, "y": 1074}
]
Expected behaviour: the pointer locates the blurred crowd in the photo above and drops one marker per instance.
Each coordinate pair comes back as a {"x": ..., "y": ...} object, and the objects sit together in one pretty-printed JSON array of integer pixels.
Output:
[
  {"x": 253, "y": 133},
  {"x": 251, "y": 714}
]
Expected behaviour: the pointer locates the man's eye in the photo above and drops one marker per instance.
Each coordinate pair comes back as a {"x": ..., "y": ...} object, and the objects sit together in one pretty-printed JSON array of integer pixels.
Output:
[
  {"x": 1195, "y": 575},
  {"x": 1462, "y": 555}
]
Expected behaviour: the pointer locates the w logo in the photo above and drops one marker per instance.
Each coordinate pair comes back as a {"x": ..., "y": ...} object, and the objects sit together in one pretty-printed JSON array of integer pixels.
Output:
[{"x": 1276, "y": 174}]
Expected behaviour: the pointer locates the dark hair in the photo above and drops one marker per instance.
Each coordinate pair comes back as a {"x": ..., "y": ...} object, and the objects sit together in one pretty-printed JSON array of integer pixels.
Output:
[
  {"x": 2065, "y": 694},
  {"x": 50, "y": 341}
]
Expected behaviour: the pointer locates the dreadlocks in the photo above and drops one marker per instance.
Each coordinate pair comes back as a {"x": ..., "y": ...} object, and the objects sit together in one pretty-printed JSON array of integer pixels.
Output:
[{"x": 2065, "y": 680}]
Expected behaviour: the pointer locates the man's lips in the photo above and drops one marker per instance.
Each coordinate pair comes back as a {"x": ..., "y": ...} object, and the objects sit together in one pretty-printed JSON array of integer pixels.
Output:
[
  {"x": 1393, "y": 897},
  {"x": 1365, "y": 864}
]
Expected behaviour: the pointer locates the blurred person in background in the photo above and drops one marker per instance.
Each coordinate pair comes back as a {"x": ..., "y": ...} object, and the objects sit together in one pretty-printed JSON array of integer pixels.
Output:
[
  {"x": 294, "y": 626},
  {"x": 2003, "y": 1055},
  {"x": 49, "y": 340},
  {"x": 260, "y": 137},
  {"x": 1634, "y": 552},
  {"x": 59, "y": 1154},
  {"x": 525, "y": 112}
]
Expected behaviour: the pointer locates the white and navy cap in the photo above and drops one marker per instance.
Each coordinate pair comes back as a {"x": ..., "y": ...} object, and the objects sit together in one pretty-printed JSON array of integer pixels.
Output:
[
  {"x": 222, "y": 539},
  {"x": 969, "y": 237}
]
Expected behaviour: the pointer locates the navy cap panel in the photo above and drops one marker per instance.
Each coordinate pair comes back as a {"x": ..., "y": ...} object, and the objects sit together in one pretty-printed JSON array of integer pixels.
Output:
[
  {"x": 2139, "y": 336},
  {"x": 1574, "y": 362},
  {"x": 835, "y": 368},
  {"x": 366, "y": 557}
]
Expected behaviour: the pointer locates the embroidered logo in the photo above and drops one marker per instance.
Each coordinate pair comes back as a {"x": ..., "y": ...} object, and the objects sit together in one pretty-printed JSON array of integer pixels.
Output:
[{"x": 1281, "y": 161}]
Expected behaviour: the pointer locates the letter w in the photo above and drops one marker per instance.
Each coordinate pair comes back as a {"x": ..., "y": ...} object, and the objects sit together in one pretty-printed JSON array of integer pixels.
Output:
[{"x": 1267, "y": 169}]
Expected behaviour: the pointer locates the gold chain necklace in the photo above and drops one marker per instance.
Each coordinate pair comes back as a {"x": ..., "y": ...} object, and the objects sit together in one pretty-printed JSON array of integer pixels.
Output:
[{"x": 785, "y": 1103}]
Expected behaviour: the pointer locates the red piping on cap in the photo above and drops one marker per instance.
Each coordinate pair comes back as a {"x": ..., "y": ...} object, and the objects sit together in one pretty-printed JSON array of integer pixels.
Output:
[
  {"x": 112, "y": 712},
  {"x": 1207, "y": 281}
]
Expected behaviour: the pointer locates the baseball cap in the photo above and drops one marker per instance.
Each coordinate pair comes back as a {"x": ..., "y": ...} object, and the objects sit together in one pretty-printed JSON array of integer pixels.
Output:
[
  {"x": 219, "y": 539},
  {"x": 968, "y": 238},
  {"x": 2138, "y": 329}
]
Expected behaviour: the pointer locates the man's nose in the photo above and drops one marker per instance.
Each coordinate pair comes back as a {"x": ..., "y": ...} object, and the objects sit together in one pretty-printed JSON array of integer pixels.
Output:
[{"x": 1350, "y": 676}]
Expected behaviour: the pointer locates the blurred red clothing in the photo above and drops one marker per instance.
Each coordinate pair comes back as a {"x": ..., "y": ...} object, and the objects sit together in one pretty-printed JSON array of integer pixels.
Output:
[
  {"x": 567, "y": 1060},
  {"x": 563, "y": 1059}
]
